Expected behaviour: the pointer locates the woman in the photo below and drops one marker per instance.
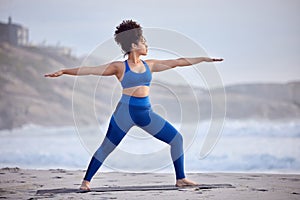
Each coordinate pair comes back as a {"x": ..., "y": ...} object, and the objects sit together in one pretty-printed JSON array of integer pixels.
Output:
[{"x": 134, "y": 108}]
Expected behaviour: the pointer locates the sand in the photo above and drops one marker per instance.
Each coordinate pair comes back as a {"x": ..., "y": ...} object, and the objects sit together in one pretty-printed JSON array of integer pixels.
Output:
[{"x": 24, "y": 183}]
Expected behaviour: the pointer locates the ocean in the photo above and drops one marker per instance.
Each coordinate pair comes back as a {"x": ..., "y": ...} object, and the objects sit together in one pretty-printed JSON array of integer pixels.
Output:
[{"x": 243, "y": 146}]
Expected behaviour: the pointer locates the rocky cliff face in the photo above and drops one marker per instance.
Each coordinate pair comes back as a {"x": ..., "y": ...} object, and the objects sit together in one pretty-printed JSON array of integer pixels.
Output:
[
  {"x": 264, "y": 101},
  {"x": 29, "y": 98}
]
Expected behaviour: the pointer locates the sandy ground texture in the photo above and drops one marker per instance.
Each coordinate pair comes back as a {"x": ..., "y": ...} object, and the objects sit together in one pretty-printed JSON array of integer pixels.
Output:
[{"x": 23, "y": 184}]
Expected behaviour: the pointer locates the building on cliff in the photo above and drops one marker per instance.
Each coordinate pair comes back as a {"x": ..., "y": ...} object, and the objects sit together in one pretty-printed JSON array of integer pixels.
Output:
[
  {"x": 18, "y": 35},
  {"x": 14, "y": 34}
]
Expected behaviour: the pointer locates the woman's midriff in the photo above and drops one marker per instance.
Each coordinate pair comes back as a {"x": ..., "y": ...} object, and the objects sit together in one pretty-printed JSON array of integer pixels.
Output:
[{"x": 139, "y": 91}]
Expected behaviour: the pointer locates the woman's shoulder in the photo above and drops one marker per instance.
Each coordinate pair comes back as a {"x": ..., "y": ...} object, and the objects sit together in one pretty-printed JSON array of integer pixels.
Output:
[
  {"x": 150, "y": 61},
  {"x": 117, "y": 64}
]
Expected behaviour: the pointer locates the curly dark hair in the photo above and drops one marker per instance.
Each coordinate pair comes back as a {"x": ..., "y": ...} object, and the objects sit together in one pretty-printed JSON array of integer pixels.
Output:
[{"x": 126, "y": 33}]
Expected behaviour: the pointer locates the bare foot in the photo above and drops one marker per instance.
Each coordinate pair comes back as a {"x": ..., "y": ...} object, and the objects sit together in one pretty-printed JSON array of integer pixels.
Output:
[
  {"x": 85, "y": 186},
  {"x": 185, "y": 183}
]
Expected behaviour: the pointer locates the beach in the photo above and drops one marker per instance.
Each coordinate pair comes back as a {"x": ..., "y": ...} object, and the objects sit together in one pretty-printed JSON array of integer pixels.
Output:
[
  {"x": 19, "y": 183},
  {"x": 50, "y": 165}
]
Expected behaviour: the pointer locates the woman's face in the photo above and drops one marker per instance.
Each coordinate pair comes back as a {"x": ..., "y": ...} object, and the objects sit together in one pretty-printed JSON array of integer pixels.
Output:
[{"x": 141, "y": 48}]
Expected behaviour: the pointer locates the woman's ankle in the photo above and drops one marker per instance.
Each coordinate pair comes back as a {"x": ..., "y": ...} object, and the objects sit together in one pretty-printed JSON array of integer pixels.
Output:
[{"x": 85, "y": 185}]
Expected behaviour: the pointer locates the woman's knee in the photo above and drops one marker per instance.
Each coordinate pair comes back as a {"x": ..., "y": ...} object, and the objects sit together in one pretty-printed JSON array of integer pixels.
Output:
[
  {"x": 177, "y": 140},
  {"x": 104, "y": 150}
]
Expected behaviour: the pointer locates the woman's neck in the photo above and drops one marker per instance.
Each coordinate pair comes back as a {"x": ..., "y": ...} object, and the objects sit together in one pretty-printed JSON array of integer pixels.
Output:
[{"x": 134, "y": 58}]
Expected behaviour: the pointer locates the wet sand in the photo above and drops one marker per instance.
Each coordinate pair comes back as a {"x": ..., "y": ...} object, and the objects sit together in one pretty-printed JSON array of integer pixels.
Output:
[{"x": 24, "y": 183}]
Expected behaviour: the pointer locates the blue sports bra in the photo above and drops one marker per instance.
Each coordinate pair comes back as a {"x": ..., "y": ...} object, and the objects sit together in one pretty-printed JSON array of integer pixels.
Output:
[{"x": 133, "y": 79}]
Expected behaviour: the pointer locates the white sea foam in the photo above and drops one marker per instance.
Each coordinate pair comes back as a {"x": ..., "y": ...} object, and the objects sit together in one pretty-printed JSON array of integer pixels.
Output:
[{"x": 243, "y": 146}]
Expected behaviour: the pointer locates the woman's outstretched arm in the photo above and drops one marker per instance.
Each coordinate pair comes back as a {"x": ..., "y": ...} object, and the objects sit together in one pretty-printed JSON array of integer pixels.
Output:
[
  {"x": 161, "y": 65},
  {"x": 102, "y": 70}
]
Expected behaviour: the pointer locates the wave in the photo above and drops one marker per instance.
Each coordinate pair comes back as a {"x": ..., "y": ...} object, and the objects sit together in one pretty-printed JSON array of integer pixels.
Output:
[
  {"x": 243, "y": 146},
  {"x": 246, "y": 163},
  {"x": 262, "y": 128}
]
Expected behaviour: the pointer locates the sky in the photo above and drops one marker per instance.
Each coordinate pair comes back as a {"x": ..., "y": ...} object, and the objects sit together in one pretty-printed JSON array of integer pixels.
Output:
[{"x": 258, "y": 39}]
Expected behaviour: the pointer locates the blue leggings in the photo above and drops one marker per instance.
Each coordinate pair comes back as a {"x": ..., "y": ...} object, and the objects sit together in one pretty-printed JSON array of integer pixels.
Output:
[{"x": 136, "y": 111}]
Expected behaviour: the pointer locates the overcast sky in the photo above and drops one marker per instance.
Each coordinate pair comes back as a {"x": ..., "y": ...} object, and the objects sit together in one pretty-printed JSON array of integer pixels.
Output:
[{"x": 258, "y": 39}]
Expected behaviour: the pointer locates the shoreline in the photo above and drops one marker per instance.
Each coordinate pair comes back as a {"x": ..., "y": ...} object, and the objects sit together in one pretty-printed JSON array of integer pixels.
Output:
[
  {"x": 19, "y": 183},
  {"x": 29, "y": 126},
  {"x": 107, "y": 170}
]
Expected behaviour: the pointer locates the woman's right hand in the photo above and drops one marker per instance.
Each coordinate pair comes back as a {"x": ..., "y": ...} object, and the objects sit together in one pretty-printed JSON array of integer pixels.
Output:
[{"x": 55, "y": 74}]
